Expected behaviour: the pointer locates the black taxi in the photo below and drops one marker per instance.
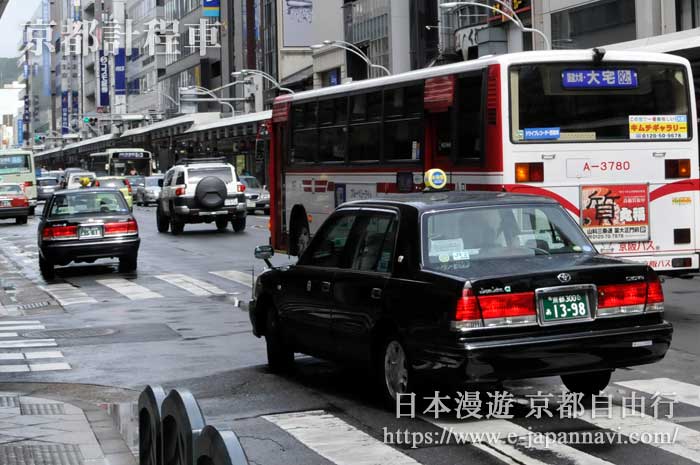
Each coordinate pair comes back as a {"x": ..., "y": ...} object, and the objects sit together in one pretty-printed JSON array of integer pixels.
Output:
[{"x": 470, "y": 287}]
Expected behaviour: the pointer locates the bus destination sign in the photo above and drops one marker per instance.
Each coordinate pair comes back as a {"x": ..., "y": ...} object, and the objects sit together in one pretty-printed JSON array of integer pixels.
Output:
[
  {"x": 131, "y": 155},
  {"x": 599, "y": 79}
]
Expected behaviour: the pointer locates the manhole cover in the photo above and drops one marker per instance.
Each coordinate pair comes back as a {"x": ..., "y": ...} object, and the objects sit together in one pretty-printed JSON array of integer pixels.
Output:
[{"x": 69, "y": 333}]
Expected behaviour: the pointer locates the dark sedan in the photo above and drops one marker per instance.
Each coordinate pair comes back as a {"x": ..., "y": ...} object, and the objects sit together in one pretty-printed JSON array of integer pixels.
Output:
[
  {"x": 461, "y": 287},
  {"x": 84, "y": 225}
]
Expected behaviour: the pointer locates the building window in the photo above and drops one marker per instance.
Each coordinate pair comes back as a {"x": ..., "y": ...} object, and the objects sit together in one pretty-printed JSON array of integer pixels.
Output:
[{"x": 597, "y": 23}]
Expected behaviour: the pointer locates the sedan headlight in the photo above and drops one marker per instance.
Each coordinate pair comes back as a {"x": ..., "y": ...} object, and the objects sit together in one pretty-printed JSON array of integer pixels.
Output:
[{"x": 265, "y": 196}]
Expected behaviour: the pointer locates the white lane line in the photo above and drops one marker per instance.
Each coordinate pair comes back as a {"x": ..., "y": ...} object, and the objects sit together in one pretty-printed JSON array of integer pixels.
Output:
[
  {"x": 241, "y": 278},
  {"x": 28, "y": 343},
  {"x": 21, "y": 328},
  {"x": 129, "y": 289},
  {"x": 499, "y": 430},
  {"x": 684, "y": 392},
  {"x": 685, "y": 441},
  {"x": 12, "y": 356},
  {"x": 67, "y": 294},
  {"x": 14, "y": 368},
  {"x": 19, "y": 322},
  {"x": 48, "y": 366},
  {"x": 43, "y": 354},
  {"x": 191, "y": 285},
  {"x": 338, "y": 441},
  {"x": 8, "y": 335}
]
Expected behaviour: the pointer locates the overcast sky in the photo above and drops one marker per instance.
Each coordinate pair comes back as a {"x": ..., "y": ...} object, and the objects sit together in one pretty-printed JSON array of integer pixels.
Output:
[{"x": 17, "y": 12}]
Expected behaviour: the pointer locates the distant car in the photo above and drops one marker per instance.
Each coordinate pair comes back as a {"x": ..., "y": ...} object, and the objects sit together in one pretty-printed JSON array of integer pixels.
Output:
[
  {"x": 84, "y": 225},
  {"x": 203, "y": 190},
  {"x": 75, "y": 179},
  {"x": 117, "y": 182},
  {"x": 46, "y": 186},
  {"x": 148, "y": 192},
  {"x": 14, "y": 203},
  {"x": 461, "y": 287},
  {"x": 65, "y": 175},
  {"x": 135, "y": 181},
  {"x": 257, "y": 196}
]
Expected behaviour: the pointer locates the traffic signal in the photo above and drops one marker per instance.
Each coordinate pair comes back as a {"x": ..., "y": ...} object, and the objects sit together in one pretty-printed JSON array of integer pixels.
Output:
[
  {"x": 90, "y": 120},
  {"x": 39, "y": 138}
]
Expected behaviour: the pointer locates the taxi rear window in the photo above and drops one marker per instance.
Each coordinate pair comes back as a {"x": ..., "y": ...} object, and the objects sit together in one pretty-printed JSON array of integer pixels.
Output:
[{"x": 455, "y": 239}]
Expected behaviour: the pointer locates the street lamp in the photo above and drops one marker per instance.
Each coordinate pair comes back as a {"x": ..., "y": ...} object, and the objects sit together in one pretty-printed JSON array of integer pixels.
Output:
[
  {"x": 350, "y": 47},
  {"x": 513, "y": 16},
  {"x": 245, "y": 72},
  {"x": 210, "y": 94},
  {"x": 153, "y": 91}
]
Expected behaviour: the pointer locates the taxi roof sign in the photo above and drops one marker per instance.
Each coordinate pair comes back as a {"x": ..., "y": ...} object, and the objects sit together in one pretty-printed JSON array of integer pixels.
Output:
[{"x": 435, "y": 179}]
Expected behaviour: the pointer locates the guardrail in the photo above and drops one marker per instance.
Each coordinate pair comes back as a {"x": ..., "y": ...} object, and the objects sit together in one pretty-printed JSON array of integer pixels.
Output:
[{"x": 172, "y": 431}]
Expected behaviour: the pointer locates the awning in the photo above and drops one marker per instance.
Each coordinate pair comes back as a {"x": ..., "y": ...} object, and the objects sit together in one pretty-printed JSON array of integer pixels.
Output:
[
  {"x": 192, "y": 118},
  {"x": 232, "y": 121},
  {"x": 94, "y": 140}
]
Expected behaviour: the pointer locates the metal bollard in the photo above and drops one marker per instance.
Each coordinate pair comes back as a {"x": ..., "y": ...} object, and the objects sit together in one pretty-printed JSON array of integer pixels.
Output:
[{"x": 172, "y": 431}]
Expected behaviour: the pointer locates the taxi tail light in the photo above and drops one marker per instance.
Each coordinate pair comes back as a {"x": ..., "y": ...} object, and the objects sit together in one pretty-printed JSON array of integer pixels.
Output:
[
  {"x": 655, "y": 295},
  {"x": 529, "y": 172},
  {"x": 240, "y": 187},
  {"x": 630, "y": 298},
  {"x": 51, "y": 233},
  {"x": 19, "y": 202},
  {"x": 467, "y": 312},
  {"x": 508, "y": 309},
  {"x": 180, "y": 190},
  {"x": 677, "y": 168},
  {"x": 124, "y": 227}
]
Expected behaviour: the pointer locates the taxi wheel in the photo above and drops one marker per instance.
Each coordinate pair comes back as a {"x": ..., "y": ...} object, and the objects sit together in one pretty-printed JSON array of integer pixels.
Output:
[
  {"x": 128, "y": 264},
  {"x": 21, "y": 220},
  {"x": 47, "y": 269},
  {"x": 162, "y": 221},
  {"x": 587, "y": 383},
  {"x": 280, "y": 358},
  {"x": 392, "y": 368},
  {"x": 221, "y": 223}
]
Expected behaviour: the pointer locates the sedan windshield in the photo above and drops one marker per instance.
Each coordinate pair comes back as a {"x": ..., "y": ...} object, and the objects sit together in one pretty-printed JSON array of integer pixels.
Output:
[
  {"x": 152, "y": 181},
  {"x": 250, "y": 182},
  {"x": 88, "y": 203},
  {"x": 452, "y": 239}
]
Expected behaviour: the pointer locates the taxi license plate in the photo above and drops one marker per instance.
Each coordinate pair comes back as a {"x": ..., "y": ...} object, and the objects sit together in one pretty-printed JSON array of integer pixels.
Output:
[
  {"x": 89, "y": 232},
  {"x": 230, "y": 202},
  {"x": 564, "y": 307}
]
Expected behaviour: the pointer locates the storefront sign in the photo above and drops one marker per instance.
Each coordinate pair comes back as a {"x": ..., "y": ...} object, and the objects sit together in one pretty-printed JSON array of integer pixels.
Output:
[
  {"x": 120, "y": 72},
  {"x": 103, "y": 79},
  {"x": 615, "y": 213},
  {"x": 64, "y": 112},
  {"x": 211, "y": 8},
  {"x": 658, "y": 126},
  {"x": 75, "y": 109}
]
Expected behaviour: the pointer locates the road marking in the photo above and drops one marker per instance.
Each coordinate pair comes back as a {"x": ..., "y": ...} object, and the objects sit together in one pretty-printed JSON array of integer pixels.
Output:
[
  {"x": 336, "y": 440},
  {"x": 20, "y": 328},
  {"x": 8, "y": 335},
  {"x": 48, "y": 366},
  {"x": 44, "y": 354},
  {"x": 241, "y": 278},
  {"x": 191, "y": 285},
  {"x": 28, "y": 343},
  {"x": 685, "y": 441},
  {"x": 12, "y": 356},
  {"x": 67, "y": 294},
  {"x": 129, "y": 289},
  {"x": 501, "y": 448},
  {"x": 684, "y": 392},
  {"x": 14, "y": 368},
  {"x": 15, "y": 322}
]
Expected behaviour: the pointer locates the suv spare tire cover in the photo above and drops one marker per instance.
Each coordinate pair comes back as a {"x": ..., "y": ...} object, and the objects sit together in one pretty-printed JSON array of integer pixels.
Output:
[{"x": 210, "y": 193}]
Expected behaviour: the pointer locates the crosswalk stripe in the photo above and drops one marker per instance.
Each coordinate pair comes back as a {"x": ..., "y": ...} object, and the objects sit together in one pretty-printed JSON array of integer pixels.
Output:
[
  {"x": 241, "y": 278},
  {"x": 685, "y": 441},
  {"x": 67, "y": 294},
  {"x": 191, "y": 285},
  {"x": 18, "y": 322},
  {"x": 129, "y": 289},
  {"x": 21, "y": 328},
  {"x": 338, "y": 441},
  {"x": 2, "y": 335},
  {"x": 28, "y": 343},
  {"x": 48, "y": 366},
  {"x": 683, "y": 392},
  {"x": 43, "y": 355},
  {"x": 12, "y": 356},
  {"x": 504, "y": 428},
  {"x": 14, "y": 368}
]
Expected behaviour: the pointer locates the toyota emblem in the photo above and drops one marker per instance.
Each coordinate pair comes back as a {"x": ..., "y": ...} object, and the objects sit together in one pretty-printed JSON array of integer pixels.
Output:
[{"x": 564, "y": 277}]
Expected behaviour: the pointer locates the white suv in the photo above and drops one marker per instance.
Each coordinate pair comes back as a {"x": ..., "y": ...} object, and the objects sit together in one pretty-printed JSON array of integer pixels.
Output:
[{"x": 203, "y": 190}]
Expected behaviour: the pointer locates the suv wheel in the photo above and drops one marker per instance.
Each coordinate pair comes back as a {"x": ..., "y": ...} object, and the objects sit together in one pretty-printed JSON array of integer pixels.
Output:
[
  {"x": 128, "y": 263},
  {"x": 162, "y": 221},
  {"x": 238, "y": 224},
  {"x": 176, "y": 227},
  {"x": 588, "y": 384},
  {"x": 47, "y": 269},
  {"x": 280, "y": 358},
  {"x": 221, "y": 223}
]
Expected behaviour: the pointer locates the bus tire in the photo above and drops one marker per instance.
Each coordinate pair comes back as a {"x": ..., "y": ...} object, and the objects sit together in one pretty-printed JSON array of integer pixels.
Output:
[
  {"x": 162, "y": 221},
  {"x": 300, "y": 234}
]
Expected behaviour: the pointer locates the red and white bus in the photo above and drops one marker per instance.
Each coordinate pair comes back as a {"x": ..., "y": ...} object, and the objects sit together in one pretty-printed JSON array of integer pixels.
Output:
[{"x": 611, "y": 136}]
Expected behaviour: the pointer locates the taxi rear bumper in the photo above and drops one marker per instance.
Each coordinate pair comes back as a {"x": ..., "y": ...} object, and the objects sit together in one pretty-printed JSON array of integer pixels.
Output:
[{"x": 532, "y": 357}]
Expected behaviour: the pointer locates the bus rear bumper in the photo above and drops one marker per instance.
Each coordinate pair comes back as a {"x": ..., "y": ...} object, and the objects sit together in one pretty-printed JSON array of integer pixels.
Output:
[{"x": 669, "y": 263}]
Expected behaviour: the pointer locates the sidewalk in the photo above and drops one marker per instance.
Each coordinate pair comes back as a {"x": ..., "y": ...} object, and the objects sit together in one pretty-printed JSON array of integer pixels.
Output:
[{"x": 37, "y": 431}]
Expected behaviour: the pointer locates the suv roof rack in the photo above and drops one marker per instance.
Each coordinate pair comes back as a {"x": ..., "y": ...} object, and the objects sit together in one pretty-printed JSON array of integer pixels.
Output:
[{"x": 194, "y": 161}]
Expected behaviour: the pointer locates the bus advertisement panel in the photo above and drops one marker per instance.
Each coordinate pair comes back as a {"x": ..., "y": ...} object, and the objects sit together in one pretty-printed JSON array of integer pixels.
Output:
[{"x": 605, "y": 134}]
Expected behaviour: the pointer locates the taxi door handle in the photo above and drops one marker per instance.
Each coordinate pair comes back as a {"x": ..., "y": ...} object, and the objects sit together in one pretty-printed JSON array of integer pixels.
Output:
[
  {"x": 376, "y": 293},
  {"x": 325, "y": 286}
]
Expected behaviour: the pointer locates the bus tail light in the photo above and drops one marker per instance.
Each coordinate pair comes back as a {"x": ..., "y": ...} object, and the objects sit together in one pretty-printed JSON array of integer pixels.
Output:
[
  {"x": 529, "y": 172},
  {"x": 51, "y": 233},
  {"x": 123, "y": 228},
  {"x": 180, "y": 190},
  {"x": 677, "y": 168}
]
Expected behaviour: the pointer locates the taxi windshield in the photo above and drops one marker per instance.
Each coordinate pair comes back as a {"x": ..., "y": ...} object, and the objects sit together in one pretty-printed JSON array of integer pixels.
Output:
[{"x": 452, "y": 239}]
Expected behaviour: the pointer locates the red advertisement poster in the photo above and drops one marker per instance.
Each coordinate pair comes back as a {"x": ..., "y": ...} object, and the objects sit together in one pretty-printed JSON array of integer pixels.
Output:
[{"x": 615, "y": 213}]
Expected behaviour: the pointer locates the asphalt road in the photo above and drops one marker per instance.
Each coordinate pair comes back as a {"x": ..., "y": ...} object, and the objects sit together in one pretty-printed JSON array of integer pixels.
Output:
[{"x": 177, "y": 322}]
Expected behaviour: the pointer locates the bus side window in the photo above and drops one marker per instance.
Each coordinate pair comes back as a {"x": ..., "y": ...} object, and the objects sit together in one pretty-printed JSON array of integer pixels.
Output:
[{"x": 470, "y": 91}]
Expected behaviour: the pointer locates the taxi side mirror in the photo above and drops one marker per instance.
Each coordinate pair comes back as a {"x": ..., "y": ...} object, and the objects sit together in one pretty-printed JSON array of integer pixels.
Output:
[
  {"x": 160, "y": 183},
  {"x": 265, "y": 252}
]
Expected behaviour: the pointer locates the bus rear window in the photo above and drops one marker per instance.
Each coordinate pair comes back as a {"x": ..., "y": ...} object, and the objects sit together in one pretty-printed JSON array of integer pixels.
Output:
[
  {"x": 579, "y": 102},
  {"x": 12, "y": 164}
]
